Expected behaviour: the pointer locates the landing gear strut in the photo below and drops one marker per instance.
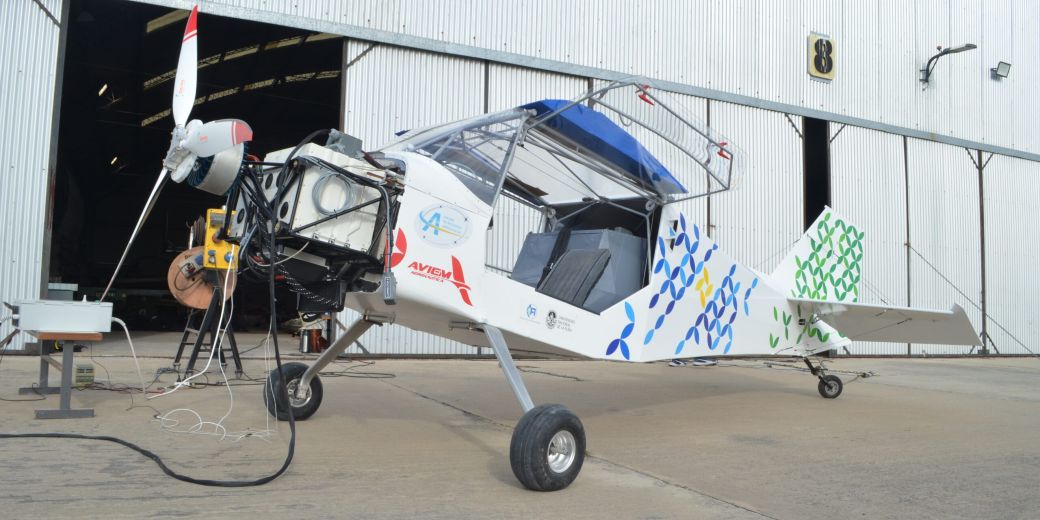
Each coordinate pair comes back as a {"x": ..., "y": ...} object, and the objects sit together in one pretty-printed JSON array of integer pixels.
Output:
[
  {"x": 830, "y": 385},
  {"x": 548, "y": 444}
]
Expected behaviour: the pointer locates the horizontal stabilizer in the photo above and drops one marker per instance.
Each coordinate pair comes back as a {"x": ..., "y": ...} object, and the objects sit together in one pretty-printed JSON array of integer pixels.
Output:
[{"x": 864, "y": 322}]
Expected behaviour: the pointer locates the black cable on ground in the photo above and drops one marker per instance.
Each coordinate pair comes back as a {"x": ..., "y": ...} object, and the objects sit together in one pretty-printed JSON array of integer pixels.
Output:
[{"x": 158, "y": 460}]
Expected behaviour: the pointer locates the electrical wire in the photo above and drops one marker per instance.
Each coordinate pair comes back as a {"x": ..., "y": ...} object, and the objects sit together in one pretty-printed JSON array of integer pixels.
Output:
[
  {"x": 3, "y": 351},
  {"x": 201, "y": 426},
  {"x": 158, "y": 460},
  {"x": 133, "y": 353},
  {"x": 217, "y": 341},
  {"x": 272, "y": 330},
  {"x": 286, "y": 259}
]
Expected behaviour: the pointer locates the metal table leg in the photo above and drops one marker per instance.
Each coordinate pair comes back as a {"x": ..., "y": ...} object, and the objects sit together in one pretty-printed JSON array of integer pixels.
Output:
[
  {"x": 65, "y": 410},
  {"x": 42, "y": 388}
]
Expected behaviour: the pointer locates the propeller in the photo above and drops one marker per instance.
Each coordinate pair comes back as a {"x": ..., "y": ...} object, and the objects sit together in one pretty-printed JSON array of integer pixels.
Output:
[
  {"x": 192, "y": 140},
  {"x": 187, "y": 71}
]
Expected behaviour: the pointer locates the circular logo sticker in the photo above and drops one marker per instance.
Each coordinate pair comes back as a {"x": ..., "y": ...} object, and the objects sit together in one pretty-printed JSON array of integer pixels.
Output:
[
  {"x": 550, "y": 319},
  {"x": 443, "y": 226}
]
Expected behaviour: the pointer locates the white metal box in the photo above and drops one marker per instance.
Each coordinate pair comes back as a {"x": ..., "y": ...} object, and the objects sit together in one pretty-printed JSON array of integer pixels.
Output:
[
  {"x": 319, "y": 193},
  {"x": 64, "y": 316}
]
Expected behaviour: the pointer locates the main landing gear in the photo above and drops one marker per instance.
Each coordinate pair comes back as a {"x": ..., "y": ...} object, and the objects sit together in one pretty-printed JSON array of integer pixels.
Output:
[
  {"x": 830, "y": 385},
  {"x": 548, "y": 445}
]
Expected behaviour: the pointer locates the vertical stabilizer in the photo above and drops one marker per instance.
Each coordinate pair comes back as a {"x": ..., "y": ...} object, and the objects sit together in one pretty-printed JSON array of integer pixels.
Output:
[{"x": 826, "y": 263}]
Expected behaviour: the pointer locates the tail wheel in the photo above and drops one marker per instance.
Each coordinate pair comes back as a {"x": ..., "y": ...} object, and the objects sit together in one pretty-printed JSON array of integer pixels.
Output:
[
  {"x": 548, "y": 448},
  {"x": 830, "y": 386},
  {"x": 276, "y": 390}
]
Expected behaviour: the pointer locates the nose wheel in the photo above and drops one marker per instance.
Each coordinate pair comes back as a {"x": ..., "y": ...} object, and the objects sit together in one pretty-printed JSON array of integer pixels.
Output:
[{"x": 304, "y": 402}]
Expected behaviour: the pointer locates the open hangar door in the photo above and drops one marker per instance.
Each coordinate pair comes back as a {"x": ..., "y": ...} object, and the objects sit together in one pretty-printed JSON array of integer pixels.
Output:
[{"x": 115, "y": 127}]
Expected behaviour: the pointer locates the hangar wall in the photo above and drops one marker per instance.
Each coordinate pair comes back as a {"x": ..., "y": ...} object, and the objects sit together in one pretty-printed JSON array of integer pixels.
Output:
[
  {"x": 901, "y": 190},
  {"x": 753, "y": 49},
  {"x": 29, "y": 58}
]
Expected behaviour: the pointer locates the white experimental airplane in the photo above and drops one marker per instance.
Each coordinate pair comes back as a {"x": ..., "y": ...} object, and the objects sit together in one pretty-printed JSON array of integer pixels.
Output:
[{"x": 616, "y": 270}]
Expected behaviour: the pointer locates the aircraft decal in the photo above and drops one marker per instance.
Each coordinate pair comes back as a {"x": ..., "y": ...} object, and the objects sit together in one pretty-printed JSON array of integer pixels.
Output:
[
  {"x": 831, "y": 271},
  {"x": 443, "y": 226},
  {"x": 713, "y": 318},
  {"x": 400, "y": 248},
  {"x": 676, "y": 281},
  {"x": 459, "y": 280},
  {"x": 780, "y": 316},
  {"x": 688, "y": 272},
  {"x": 619, "y": 342},
  {"x": 438, "y": 274}
]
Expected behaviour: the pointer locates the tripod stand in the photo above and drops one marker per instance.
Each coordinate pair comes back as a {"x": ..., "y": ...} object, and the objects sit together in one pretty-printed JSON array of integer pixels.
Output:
[{"x": 210, "y": 326}]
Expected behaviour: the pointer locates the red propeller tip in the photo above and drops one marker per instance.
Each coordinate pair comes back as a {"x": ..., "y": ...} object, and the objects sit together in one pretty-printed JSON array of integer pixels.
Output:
[{"x": 192, "y": 28}]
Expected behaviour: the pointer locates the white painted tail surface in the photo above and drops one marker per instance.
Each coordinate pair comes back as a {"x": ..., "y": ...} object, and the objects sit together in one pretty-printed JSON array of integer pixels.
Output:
[{"x": 825, "y": 265}]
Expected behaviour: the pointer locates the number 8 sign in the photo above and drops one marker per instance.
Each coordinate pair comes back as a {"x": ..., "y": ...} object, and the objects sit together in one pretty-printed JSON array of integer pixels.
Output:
[{"x": 821, "y": 56}]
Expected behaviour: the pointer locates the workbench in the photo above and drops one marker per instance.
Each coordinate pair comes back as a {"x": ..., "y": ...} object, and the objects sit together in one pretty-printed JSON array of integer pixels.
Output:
[{"x": 66, "y": 366}]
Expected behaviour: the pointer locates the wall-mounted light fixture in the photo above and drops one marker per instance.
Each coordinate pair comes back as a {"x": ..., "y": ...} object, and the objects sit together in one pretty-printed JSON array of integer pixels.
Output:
[
  {"x": 1000, "y": 71},
  {"x": 926, "y": 72}
]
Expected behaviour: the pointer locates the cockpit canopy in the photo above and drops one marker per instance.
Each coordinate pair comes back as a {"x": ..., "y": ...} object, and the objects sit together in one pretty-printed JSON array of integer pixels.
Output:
[{"x": 623, "y": 141}]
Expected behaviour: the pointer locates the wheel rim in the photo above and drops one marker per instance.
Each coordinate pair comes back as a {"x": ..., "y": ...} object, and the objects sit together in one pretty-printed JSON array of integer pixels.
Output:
[
  {"x": 562, "y": 450},
  {"x": 832, "y": 388},
  {"x": 293, "y": 400}
]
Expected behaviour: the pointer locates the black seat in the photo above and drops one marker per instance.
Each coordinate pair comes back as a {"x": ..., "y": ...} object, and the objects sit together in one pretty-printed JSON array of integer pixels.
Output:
[{"x": 574, "y": 275}]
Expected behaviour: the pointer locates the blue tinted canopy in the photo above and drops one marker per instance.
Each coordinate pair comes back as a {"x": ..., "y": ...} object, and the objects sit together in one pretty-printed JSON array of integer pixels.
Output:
[{"x": 596, "y": 133}]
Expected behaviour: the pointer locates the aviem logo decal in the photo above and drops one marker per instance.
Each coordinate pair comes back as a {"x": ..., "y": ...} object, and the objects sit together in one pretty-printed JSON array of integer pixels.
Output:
[
  {"x": 442, "y": 225},
  {"x": 438, "y": 274},
  {"x": 429, "y": 271}
]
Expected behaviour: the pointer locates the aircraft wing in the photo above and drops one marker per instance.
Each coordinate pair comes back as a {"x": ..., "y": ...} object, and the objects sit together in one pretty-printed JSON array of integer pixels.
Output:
[{"x": 866, "y": 322}]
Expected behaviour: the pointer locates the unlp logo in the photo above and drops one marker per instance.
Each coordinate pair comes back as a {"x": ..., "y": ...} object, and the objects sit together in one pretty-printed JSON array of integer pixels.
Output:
[{"x": 443, "y": 226}]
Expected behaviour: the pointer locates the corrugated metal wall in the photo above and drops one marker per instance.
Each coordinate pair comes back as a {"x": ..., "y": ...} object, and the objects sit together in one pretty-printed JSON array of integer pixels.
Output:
[
  {"x": 760, "y": 220},
  {"x": 1011, "y": 192},
  {"x": 868, "y": 187},
  {"x": 880, "y": 46},
  {"x": 28, "y": 58},
  {"x": 945, "y": 263}
]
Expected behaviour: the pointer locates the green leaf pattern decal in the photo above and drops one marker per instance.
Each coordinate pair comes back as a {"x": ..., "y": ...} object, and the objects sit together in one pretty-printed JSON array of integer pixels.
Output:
[{"x": 832, "y": 269}]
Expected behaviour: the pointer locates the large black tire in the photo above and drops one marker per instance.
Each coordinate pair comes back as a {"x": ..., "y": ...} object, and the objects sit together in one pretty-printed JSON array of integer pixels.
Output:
[
  {"x": 275, "y": 393},
  {"x": 830, "y": 386},
  {"x": 536, "y": 464}
]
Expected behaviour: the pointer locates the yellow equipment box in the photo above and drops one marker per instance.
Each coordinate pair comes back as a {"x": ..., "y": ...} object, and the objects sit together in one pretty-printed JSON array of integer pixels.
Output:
[{"x": 217, "y": 254}]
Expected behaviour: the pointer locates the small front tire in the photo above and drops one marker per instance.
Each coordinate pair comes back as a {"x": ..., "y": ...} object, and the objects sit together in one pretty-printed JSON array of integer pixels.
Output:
[
  {"x": 275, "y": 393},
  {"x": 830, "y": 386},
  {"x": 548, "y": 448}
]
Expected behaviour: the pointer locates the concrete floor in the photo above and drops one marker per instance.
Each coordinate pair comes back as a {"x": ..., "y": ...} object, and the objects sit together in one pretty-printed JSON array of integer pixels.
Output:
[{"x": 929, "y": 438}]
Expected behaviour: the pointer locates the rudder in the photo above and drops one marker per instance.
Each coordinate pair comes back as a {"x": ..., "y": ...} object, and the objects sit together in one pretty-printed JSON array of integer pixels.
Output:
[{"x": 825, "y": 264}]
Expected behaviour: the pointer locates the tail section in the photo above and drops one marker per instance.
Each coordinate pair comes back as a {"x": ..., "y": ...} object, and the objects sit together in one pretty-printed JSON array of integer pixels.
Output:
[{"x": 825, "y": 264}]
